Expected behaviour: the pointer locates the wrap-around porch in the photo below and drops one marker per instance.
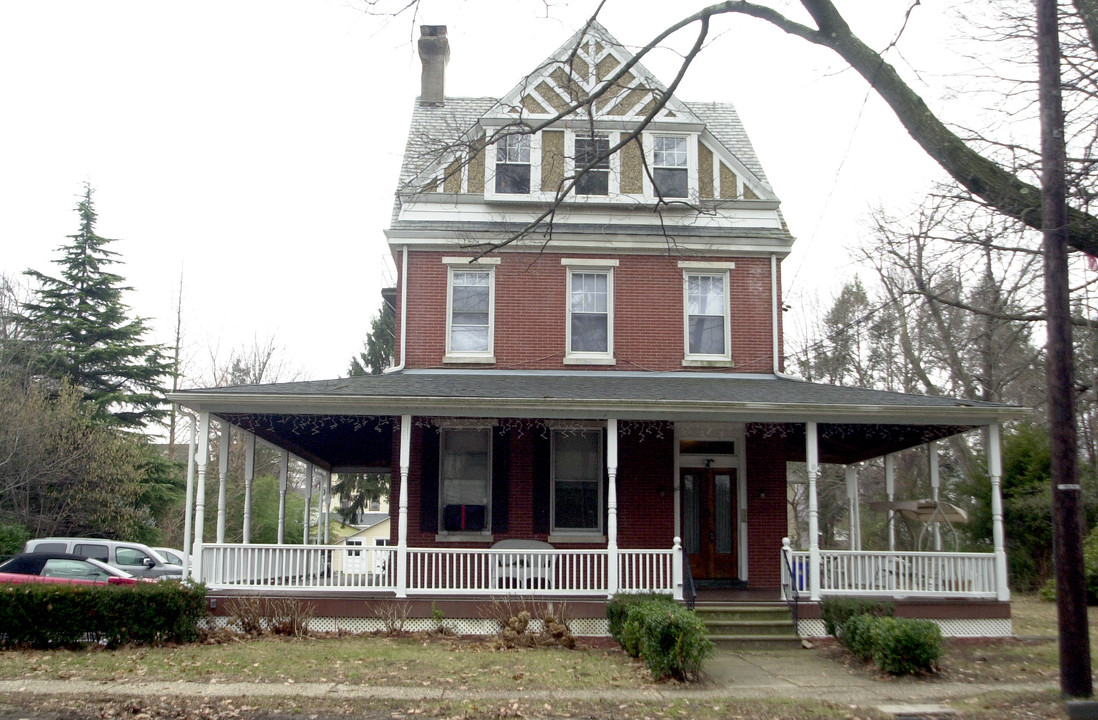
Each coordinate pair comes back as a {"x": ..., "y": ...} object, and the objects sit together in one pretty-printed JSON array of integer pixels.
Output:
[{"x": 516, "y": 563}]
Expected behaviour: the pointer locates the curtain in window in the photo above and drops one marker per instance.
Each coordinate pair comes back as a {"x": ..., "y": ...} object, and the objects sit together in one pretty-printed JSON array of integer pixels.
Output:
[
  {"x": 590, "y": 306},
  {"x": 705, "y": 296},
  {"x": 465, "y": 479},
  {"x": 469, "y": 306}
]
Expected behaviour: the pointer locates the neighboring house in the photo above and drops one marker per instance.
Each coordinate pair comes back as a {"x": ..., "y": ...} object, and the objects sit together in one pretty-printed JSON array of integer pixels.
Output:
[
  {"x": 599, "y": 405},
  {"x": 358, "y": 559}
]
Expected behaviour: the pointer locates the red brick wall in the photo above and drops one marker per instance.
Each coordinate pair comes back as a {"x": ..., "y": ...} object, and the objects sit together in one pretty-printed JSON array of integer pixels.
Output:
[
  {"x": 645, "y": 498},
  {"x": 767, "y": 520},
  {"x": 530, "y": 312}
]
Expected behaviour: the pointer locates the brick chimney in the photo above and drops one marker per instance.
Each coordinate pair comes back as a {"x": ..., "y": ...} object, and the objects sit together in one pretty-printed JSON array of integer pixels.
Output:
[{"x": 434, "y": 53}]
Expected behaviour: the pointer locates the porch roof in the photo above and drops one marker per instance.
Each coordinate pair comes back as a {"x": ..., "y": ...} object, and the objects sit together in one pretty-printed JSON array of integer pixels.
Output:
[
  {"x": 595, "y": 395},
  {"x": 863, "y": 423}
]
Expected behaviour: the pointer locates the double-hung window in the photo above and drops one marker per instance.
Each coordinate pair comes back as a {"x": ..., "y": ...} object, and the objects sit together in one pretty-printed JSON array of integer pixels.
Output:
[
  {"x": 705, "y": 297},
  {"x": 593, "y": 149},
  {"x": 590, "y": 326},
  {"x": 465, "y": 480},
  {"x": 669, "y": 166},
  {"x": 577, "y": 481},
  {"x": 470, "y": 311},
  {"x": 513, "y": 165}
]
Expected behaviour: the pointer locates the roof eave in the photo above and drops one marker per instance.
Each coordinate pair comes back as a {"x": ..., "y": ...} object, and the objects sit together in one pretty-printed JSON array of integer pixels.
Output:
[{"x": 715, "y": 410}]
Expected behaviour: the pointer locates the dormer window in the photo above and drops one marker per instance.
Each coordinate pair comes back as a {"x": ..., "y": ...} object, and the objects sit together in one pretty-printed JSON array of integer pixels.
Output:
[
  {"x": 513, "y": 165},
  {"x": 590, "y": 148},
  {"x": 669, "y": 166}
]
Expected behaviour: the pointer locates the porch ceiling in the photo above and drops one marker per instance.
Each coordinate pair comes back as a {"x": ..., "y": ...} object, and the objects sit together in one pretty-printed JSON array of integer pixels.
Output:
[{"x": 351, "y": 443}]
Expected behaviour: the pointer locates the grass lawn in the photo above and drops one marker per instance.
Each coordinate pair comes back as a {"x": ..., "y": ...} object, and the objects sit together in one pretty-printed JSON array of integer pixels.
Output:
[{"x": 364, "y": 660}]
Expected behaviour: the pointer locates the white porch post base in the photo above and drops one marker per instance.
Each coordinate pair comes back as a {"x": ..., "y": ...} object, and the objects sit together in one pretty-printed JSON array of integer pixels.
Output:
[{"x": 677, "y": 571}]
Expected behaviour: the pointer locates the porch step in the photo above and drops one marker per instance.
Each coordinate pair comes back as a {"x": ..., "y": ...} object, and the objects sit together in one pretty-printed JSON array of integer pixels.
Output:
[{"x": 749, "y": 626}]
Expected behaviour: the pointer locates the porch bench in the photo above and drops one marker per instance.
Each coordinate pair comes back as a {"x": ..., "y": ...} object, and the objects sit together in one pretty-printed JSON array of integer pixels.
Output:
[{"x": 515, "y": 567}]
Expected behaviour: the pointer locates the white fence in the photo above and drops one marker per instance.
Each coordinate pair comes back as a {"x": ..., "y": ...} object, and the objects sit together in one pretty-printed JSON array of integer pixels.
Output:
[
  {"x": 438, "y": 571},
  {"x": 911, "y": 574}
]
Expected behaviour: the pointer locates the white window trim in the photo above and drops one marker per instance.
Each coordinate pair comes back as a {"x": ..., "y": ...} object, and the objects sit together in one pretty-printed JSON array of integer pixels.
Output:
[
  {"x": 613, "y": 186},
  {"x": 589, "y": 266},
  {"x": 699, "y": 359},
  {"x": 691, "y": 164},
  {"x": 490, "y": 170},
  {"x": 478, "y": 356},
  {"x": 592, "y": 533},
  {"x": 464, "y": 535}
]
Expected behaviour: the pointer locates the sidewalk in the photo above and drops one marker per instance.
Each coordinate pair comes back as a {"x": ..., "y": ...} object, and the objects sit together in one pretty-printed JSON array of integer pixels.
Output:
[{"x": 800, "y": 674}]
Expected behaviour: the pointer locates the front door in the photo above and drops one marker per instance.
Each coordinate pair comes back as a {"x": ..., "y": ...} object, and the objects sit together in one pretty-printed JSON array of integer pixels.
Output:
[{"x": 709, "y": 522}]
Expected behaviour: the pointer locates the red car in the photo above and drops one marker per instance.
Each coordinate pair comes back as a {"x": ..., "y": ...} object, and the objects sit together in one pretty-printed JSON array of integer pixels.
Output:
[{"x": 62, "y": 568}]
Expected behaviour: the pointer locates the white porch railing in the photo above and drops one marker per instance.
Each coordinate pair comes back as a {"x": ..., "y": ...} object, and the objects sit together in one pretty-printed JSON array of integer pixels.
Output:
[
  {"x": 436, "y": 571},
  {"x": 845, "y": 572}
]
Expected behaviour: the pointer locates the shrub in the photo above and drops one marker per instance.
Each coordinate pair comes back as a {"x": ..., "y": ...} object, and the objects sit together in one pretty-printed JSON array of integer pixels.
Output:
[
  {"x": 670, "y": 639},
  {"x": 857, "y": 636},
  {"x": 674, "y": 642},
  {"x": 619, "y": 605},
  {"x": 835, "y": 611},
  {"x": 904, "y": 645},
  {"x": 64, "y": 615}
]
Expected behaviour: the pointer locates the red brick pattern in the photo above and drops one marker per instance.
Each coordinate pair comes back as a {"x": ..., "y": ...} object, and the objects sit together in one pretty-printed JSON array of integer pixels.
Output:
[
  {"x": 767, "y": 521},
  {"x": 530, "y": 312},
  {"x": 646, "y": 498}
]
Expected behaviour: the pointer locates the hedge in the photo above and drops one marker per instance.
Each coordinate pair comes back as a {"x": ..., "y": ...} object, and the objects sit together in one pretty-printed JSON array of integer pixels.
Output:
[
  {"x": 670, "y": 639},
  {"x": 835, "y": 611},
  {"x": 899, "y": 646},
  {"x": 56, "y": 615}
]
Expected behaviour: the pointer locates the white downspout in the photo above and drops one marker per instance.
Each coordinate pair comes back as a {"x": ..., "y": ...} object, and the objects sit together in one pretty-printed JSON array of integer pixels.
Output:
[
  {"x": 774, "y": 319},
  {"x": 403, "y": 311}
]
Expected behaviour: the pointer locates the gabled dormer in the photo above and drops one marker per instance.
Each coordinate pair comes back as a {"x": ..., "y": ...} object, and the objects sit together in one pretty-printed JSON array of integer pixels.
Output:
[{"x": 583, "y": 106}]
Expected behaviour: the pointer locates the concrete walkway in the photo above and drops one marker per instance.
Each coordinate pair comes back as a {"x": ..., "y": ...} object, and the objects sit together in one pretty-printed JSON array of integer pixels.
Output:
[{"x": 797, "y": 674}]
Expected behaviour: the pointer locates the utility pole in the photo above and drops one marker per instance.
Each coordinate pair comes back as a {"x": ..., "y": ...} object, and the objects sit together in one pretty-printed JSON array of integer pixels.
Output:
[{"x": 1071, "y": 599}]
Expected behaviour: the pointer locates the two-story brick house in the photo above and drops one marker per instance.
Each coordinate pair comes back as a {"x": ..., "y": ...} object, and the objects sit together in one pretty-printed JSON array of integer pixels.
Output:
[{"x": 589, "y": 395}]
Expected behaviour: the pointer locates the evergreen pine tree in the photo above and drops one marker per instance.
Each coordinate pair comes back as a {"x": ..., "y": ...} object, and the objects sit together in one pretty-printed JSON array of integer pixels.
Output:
[{"x": 82, "y": 332}]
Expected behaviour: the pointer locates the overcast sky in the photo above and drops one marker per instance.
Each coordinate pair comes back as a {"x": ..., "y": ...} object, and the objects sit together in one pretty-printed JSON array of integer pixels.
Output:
[{"x": 251, "y": 147}]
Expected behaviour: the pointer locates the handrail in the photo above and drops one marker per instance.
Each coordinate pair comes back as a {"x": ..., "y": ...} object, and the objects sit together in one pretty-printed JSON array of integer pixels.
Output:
[
  {"x": 792, "y": 598},
  {"x": 689, "y": 592}
]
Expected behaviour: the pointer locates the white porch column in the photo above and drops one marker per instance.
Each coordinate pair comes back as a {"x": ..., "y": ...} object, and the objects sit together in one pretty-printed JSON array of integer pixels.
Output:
[
  {"x": 402, "y": 512},
  {"x": 935, "y": 484},
  {"x": 327, "y": 508},
  {"x": 249, "y": 481},
  {"x": 612, "y": 506},
  {"x": 890, "y": 494},
  {"x": 852, "y": 506},
  {"x": 202, "y": 459},
  {"x": 188, "y": 516},
  {"x": 812, "y": 456},
  {"x": 995, "y": 471},
  {"x": 222, "y": 477},
  {"x": 283, "y": 477},
  {"x": 308, "y": 503}
]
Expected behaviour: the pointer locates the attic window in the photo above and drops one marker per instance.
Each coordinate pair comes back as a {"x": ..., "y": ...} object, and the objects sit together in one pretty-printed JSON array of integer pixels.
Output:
[
  {"x": 669, "y": 168},
  {"x": 595, "y": 181},
  {"x": 513, "y": 165}
]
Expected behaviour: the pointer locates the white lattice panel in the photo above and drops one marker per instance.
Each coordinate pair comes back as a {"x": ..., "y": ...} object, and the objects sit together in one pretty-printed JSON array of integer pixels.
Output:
[
  {"x": 590, "y": 627},
  {"x": 964, "y": 627}
]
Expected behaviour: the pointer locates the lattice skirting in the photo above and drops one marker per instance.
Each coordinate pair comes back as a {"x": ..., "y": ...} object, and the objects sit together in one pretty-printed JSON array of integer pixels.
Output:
[
  {"x": 963, "y": 627},
  {"x": 581, "y": 627}
]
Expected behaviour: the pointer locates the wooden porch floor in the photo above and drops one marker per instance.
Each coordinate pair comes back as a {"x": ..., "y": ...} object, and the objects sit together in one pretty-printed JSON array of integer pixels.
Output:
[{"x": 738, "y": 595}]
